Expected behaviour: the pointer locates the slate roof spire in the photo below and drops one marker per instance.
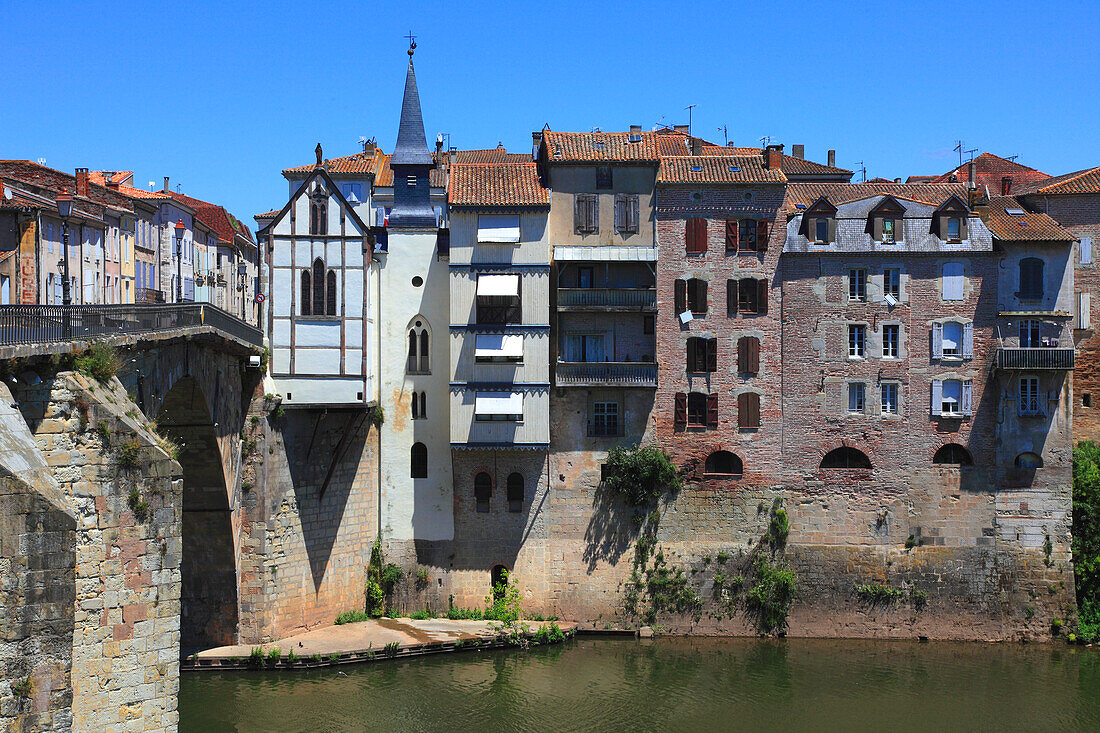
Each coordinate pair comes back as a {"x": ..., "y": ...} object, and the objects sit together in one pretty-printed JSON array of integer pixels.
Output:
[
  {"x": 411, "y": 164},
  {"x": 412, "y": 146}
]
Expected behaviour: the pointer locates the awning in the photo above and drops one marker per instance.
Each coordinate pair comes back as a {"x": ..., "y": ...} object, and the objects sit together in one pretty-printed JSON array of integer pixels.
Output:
[
  {"x": 497, "y": 344},
  {"x": 573, "y": 253},
  {"x": 507, "y": 285},
  {"x": 498, "y": 403},
  {"x": 498, "y": 228}
]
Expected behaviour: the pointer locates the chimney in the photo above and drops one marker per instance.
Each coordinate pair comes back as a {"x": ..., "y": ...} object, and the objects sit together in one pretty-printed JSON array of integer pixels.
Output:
[
  {"x": 952, "y": 178},
  {"x": 112, "y": 184},
  {"x": 897, "y": 180},
  {"x": 635, "y": 129},
  {"x": 970, "y": 175},
  {"x": 695, "y": 146},
  {"x": 166, "y": 183},
  {"x": 1006, "y": 185},
  {"x": 773, "y": 157},
  {"x": 536, "y": 142},
  {"x": 438, "y": 145},
  {"x": 798, "y": 151},
  {"x": 832, "y": 159},
  {"x": 82, "y": 182},
  {"x": 683, "y": 129}
]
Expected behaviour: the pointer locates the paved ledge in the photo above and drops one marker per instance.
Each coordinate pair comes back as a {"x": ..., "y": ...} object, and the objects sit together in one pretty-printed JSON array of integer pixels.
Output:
[{"x": 364, "y": 641}]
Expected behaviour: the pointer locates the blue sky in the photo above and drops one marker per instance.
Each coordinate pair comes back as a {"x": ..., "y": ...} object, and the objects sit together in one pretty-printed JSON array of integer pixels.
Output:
[{"x": 221, "y": 98}]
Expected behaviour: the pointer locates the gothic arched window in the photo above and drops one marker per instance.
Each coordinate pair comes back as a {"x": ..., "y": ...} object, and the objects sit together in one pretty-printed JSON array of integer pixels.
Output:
[
  {"x": 318, "y": 287},
  {"x": 318, "y": 212},
  {"x": 306, "y": 299},
  {"x": 419, "y": 342},
  {"x": 419, "y": 461},
  {"x": 330, "y": 293}
]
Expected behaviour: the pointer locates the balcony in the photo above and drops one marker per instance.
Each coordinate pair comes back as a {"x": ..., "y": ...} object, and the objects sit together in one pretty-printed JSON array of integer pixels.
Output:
[
  {"x": 1043, "y": 358},
  {"x": 606, "y": 374},
  {"x": 628, "y": 299},
  {"x": 148, "y": 295}
]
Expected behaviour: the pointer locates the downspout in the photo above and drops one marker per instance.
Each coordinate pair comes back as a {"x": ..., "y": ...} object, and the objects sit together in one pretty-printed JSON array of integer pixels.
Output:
[
  {"x": 378, "y": 382},
  {"x": 38, "y": 256}
]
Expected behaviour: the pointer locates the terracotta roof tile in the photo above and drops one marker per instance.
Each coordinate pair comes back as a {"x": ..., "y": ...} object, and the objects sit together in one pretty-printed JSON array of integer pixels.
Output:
[
  {"x": 116, "y": 176},
  {"x": 729, "y": 150},
  {"x": 1083, "y": 181},
  {"x": 673, "y": 144},
  {"x": 802, "y": 195},
  {"x": 1028, "y": 226},
  {"x": 594, "y": 147},
  {"x": 492, "y": 155},
  {"x": 216, "y": 217},
  {"x": 989, "y": 169},
  {"x": 437, "y": 177},
  {"x": 502, "y": 184},
  {"x": 361, "y": 162},
  {"x": 54, "y": 180},
  {"x": 714, "y": 169}
]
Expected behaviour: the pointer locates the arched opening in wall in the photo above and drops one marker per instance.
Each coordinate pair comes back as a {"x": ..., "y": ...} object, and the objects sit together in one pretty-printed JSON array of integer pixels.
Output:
[
  {"x": 1029, "y": 460},
  {"x": 499, "y": 579},
  {"x": 418, "y": 461},
  {"x": 483, "y": 491},
  {"x": 208, "y": 598},
  {"x": 845, "y": 457},
  {"x": 515, "y": 492},
  {"x": 723, "y": 463},
  {"x": 953, "y": 454}
]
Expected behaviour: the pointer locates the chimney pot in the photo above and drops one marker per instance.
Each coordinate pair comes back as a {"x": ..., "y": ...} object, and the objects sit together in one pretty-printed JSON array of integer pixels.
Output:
[
  {"x": 82, "y": 182},
  {"x": 1006, "y": 185},
  {"x": 166, "y": 183},
  {"x": 798, "y": 151},
  {"x": 636, "y": 129},
  {"x": 681, "y": 129},
  {"x": 970, "y": 174},
  {"x": 773, "y": 157},
  {"x": 832, "y": 159}
]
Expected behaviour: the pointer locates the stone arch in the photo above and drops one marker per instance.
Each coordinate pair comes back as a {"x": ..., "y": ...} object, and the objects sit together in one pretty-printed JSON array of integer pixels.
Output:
[
  {"x": 846, "y": 457},
  {"x": 418, "y": 338},
  {"x": 209, "y": 609},
  {"x": 953, "y": 454}
]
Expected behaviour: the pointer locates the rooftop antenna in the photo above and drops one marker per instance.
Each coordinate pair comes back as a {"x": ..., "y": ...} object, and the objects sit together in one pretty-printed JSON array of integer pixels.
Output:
[
  {"x": 970, "y": 153},
  {"x": 959, "y": 147},
  {"x": 766, "y": 139},
  {"x": 1012, "y": 158},
  {"x": 661, "y": 123},
  {"x": 725, "y": 134},
  {"x": 862, "y": 170},
  {"x": 689, "y": 108},
  {"x": 42, "y": 161}
]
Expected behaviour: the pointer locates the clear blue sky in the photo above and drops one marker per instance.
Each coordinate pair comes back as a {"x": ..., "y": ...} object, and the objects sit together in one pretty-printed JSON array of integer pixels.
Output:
[{"x": 222, "y": 98}]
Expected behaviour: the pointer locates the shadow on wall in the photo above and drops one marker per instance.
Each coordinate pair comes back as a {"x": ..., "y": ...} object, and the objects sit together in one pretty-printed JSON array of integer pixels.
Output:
[
  {"x": 323, "y": 450},
  {"x": 610, "y": 531}
]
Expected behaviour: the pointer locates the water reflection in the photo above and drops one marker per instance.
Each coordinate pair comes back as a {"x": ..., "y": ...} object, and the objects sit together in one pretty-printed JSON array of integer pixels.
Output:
[{"x": 671, "y": 684}]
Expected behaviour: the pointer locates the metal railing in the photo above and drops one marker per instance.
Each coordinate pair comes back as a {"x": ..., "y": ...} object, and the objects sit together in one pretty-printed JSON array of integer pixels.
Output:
[
  {"x": 1038, "y": 358},
  {"x": 41, "y": 324},
  {"x": 607, "y": 298},
  {"x": 624, "y": 374}
]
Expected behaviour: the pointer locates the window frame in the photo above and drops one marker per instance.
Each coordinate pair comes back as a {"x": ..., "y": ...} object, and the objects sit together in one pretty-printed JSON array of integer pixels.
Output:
[
  {"x": 892, "y": 405},
  {"x": 605, "y": 178},
  {"x": 956, "y": 409},
  {"x": 611, "y": 420},
  {"x": 857, "y": 285},
  {"x": 1030, "y": 330},
  {"x": 1030, "y": 404},
  {"x": 891, "y": 282},
  {"x": 857, "y": 394},
  {"x": 820, "y": 222},
  {"x": 891, "y": 345},
  {"x": 857, "y": 341},
  {"x": 893, "y": 235},
  {"x": 1031, "y": 286},
  {"x": 696, "y": 407}
]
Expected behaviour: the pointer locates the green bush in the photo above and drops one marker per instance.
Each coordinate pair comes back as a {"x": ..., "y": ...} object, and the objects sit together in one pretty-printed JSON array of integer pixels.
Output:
[
  {"x": 504, "y": 603},
  {"x": 465, "y": 614},
  {"x": 878, "y": 593},
  {"x": 351, "y": 617},
  {"x": 1086, "y": 538},
  {"x": 99, "y": 361},
  {"x": 273, "y": 655},
  {"x": 256, "y": 656},
  {"x": 771, "y": 595},
  {"x": 390, "y": 576},
  {"x": 138, "y": 505},
  {"x": 639, "y": 475},
  {"x": 779, "y": 527},
  {"x": 375, "y": 599},
  {"x": 920, "y": 599},
  {"x": 129, "y": 453}
]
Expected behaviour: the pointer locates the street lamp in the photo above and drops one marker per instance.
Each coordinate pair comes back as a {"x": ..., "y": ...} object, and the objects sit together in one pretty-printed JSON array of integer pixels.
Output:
[
  {"x": 179, "y": 256},
  {"x": 64, "y": 211}
]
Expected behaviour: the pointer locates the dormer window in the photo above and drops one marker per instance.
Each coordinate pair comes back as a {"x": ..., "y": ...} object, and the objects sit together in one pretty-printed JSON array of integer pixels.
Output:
[
  {"x": 819, "y": 222},
  {"x": 886, "y": 221},
  {"x": 950, "y": 220},
  {"x": 888, "y": 231},
  {"x": 821, "y": 231},
  {"x": 954, "y": 228}
]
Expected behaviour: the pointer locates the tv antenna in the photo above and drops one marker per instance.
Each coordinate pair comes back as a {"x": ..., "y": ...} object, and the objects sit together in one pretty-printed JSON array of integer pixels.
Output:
[
  {"x": 725, "y": 134},
  {"x": 863, "y": 171},
  {"x": 1012, "y": 158},
  {"x": 766, "y": 139},
  {"x": 689, "y": 108}
]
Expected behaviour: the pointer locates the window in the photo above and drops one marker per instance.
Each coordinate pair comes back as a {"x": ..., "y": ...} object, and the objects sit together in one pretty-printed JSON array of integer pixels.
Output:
[
  {"x": 954, "y": 229},
  {"x": 605, "y": 419},
  {"x": 498, "y": 228},
  {"x": 953, "y": 454},
  {"x": 1084, "y": 250},
  {"x": 626, "y": 213},
  {"x": 888, "y": 236},
  {"x": 415, "y": 405},
  {"x": 603, "y": 176},
  {"x": 498, "y": 406},
  {"x": 1029, "y": 460},
  {"x": 1086, "y": 400},
  {"x": 857, "y": 341},
  {"x": 952, "y": 340},
  {"x": 951, "y": 397},
  {"x": 845, "y": 457},
  {"x": 648, "y": 324},
  {"x": 723, "y": 463},
  {"x": 515, "y": 492},
  {"x": 891, "y": 285},
  {"x": 352, "y": 191},
  {"x": 586, "y": 213},
  {"x": 1029, "y": 396},
  {"x": 584, "y": 347},
  {"x": 747, "y": 296},
  {"x": 697, "y": 296},
  {"x": 1029, "y": 334},
  {"x": 696, "y": 410},
  {"x": 746, "y": 235},
  {"x": 318, "y": 212},
  {"x": 856, "y": 397},
  {"x": 952, "y": 281},
  {"x": 702, "y": 354},
  {"x": 483, "y": 490},
  {"x": 419, "y": 341},
  {"x": 748, "y": 355},
  {"x": 410, "y": 181},
  {"x": 498, "y": 299},
  {"x": 318, "y": 287},
  {"x": 891, "y": 341},
  {"x": 748, "y": 411},
  {"x": 1031, "y": 279},
  {"x": 496, "y": 347},
  {"x": 821, "y": 231},
  {"x": 889, "y": 398},
  {"x": 419, "y": 405},
  {"x": 330, "y": 293},
  {"x": 695, "y": 235},
  {"x": 418, "y": 461},
  {"x": 857, "y": 285}
]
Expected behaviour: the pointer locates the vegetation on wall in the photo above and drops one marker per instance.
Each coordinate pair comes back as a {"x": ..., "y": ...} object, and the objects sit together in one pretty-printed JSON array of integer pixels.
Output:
[
  {"x": 1086, "y": 538},
  {"x": 99, "y": 361},
  {"x": 375, "y": 600},
  {"x": 640, "y": 475}
]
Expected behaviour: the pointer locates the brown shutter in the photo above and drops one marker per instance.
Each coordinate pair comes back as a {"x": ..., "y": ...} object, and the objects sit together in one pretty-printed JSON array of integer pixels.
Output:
[
  {"x": 712, "y": 355},
  {"x": 762, "y": 296},
  {"x": 754, "y": 355},
  {"x": 701, "y": 234},
  {"x": 701, "y": 295},
  {"x": 632, "y": 214},
  {"x": 743, "y": 355},
  {"x": 681, "y": 296},
  {"x": 743, "y": 410},
  {"x": 680, "y": 416},
  {"x": 712, "y": 410},
  {"x": 580, "y": 213},
  {"x": 731, "y": 298},
  {"x": 762, "y": 235},
  {"x": 731, "y": 235},
  {"x": 620, "y": 213},
  {"x": 691, "y": 354},
  {"x": 689, "y": 236},
  {"x": 593, "y": 213},
  {"x": 754, "y": 410}
]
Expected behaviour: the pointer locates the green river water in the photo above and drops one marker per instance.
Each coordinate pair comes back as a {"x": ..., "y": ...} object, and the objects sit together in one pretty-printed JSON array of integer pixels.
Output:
[{"x": 675, "y": 684}]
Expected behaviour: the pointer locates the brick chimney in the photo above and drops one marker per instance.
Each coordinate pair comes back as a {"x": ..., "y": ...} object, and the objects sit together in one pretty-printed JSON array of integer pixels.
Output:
[
  {"x": 798, "y": 151},
  {"x": 773, "y": 157},
  {"x": 82, "y": 182},
  {"x": 1006, "y": 185},
  {"x": 166, "y": 183},
  {"x": 832, "y": 159},
  {"x": 684, "y": 129},
  {"x": 635, "y": 129},
  {"x": 970, "y": 175}
]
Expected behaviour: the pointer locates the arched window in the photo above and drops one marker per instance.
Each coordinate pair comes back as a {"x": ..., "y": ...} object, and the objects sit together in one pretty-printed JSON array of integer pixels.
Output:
[
  {"x": 423, "y": 404},
  {"x": 953, "y": 454},
  {"x": 483, "y": 489},
  {"x": 845, "y": 457},
  {"x": 723, "y": 463},
  {"x": 419, "y": 461},
  {"x": 318, "y": 212},
  {"x": 412, "y": 352},
  {"x": 330, "y": 293},
  {"x": 318, "y": 287},
  {"x": 306, "y": 299},
  {"x": 515, "y": 492},
  {"x": 418, "y": 362},
  {"x": 1029, "y": 460},
  {"x": 1031, "y": 278},
  {"x": 424, "y": 364},
  {"x": 415, "y": 405}
]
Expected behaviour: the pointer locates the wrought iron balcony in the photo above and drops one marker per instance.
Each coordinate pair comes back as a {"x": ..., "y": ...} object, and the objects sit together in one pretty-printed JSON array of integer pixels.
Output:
[
  {"x": 148, "y": 295},
  {"x": 633, "y": 299},
  {"x": 606, "y": 374},
  {"x": 1043, "y": 358}
]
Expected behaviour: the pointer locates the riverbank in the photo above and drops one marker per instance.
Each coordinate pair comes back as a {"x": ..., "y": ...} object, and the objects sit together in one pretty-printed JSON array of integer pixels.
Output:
[{"x": 365, "y": 641}]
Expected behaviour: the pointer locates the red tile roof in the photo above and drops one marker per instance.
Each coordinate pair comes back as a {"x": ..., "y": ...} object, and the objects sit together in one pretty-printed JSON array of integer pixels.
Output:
[
  {"x": 1084, "y": 181},
  {"x": 989, "y": 169},
  {"x": 500, "y": 184},
  {"x": 493, "y": 155},
  {"x": 54, "y": 180},
  {"x": 729, "y": 150},
  {"x": 116, "y": 176},
  {"x": 361, "y": 162},
  {"x": 714, "y": 169},
  {"x": 920, "y": 179},
  {"x": 933, "y": 194},
  {"x": 437, "y": 177},
  {"x": 793, "y": 167},
  {"x": 216, "y": 217},
  {"x": 1030, "y": 226},
  {"x": 595, "y": 147}
]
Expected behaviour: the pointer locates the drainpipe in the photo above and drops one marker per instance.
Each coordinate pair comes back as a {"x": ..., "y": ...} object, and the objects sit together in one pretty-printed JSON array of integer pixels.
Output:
[{"x": 38, "y": 256}]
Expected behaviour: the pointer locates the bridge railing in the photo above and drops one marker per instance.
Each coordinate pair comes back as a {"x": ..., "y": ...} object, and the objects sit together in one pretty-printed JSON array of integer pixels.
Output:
[{"x": 40, "y": 324}]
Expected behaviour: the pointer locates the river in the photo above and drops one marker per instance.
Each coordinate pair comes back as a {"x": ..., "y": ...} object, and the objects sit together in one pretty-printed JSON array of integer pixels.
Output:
[{"x": 604, "y": 684}]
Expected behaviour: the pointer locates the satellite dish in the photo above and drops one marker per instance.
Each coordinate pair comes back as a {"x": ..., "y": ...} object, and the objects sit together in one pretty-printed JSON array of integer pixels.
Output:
[
  {"x": 687, "y": 317},
  {"x": 7, "y": 193},
  {"x": 890, "y": 300}
]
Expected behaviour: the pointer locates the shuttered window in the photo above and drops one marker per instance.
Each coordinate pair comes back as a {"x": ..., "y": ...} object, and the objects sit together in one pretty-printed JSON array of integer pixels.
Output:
[
  {"x": 695, "y": 231},
  {"x": 697, "y": 405},
  {"x": 748, "y": 411},
  {"x": 697, "y": 295},
  {"x": 679, "y": 420},
  {"x": 626, "y": 213},
  {"x": 731, "y": 298},
  {"x": 586, "y": 214},
  {"x": 752, "y": 296},
  {"x": 712, "y": 410},
  {"x": 748, "y": 355},
  {"x": 680, "y": 296},
  {"x": 702, "y": 354},
  {"x": 732, "y": 238},
  {"x": 1031, "y": 279},
  {"x": 952, "y": 281}
]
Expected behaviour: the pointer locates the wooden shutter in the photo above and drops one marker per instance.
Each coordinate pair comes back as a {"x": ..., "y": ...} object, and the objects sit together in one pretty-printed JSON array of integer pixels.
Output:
[
  {"x": 937, "y": 341},
  {"x": 968, "y": 341},
  {"x": 743, "y": 410},
  {"x": 593, "y": 213},
  {"x": 731, "y": 235},
  {"x": 620, "y": 213},
  {"x": 712, "y": 410},
  {"x": 731, "y": 298},
  {"x": 762, "y": 235},
  {"x": 762, "y": 296},
  {"x": 967, "y": 397},
  {"x": 681, "y": 296},
  {"x": 754, "y": 355},
  {"x": 691, "y": 354},
  {"x": 689, "y": 236},
  {"x": 712, "y": 354},
  {"x": 701, "y": 296},
  {"x": 937, "y": 397},
  {"x": 696, "y": 235},
  {"x": 580, "y": 213},
  {"x": 632, "y": 211},
  {"x": 680, "y": 416},
  {"x": 743, "y": 355}
]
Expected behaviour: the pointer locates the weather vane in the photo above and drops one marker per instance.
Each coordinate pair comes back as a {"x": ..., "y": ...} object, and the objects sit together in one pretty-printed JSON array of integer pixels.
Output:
[{"x": 412, "y": 42}]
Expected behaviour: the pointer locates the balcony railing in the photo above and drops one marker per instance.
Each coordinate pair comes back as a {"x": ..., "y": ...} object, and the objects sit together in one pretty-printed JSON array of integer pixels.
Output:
[
  {"x": 606, "y": 373},
  {"x": 148, "y": 295},
  {"x": 1040, "y": 358},
  {"x": 606, "y": 298}
]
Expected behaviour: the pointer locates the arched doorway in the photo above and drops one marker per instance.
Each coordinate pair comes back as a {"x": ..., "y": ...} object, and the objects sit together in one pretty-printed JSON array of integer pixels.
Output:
[
  {"x": 208, "y": 599},
  {"x": 499, "y": 580}
]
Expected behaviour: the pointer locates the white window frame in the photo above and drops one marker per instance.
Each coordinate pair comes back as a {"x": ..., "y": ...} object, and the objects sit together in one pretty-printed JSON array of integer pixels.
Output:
[
  {"x": 857, "y": 341},
  {"x": 951, "y": 401},
  {"x": 889, "y": 397},
  {"x": 857, "y": 398},
  {"x": 1031, "y": 333},
  {"x": 891, "y": 286},
  {"x": 857, "y": 285},
  {"x": 891, "y": 348},
  {"x": 1030, "y": 404}
]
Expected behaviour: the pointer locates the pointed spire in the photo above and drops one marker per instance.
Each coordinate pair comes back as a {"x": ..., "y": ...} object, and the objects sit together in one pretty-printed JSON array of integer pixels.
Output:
[{"x": 412, "y": 146}]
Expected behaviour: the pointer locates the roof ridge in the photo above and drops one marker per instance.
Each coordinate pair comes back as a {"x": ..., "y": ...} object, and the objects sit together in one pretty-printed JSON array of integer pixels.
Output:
[{"x": 1067, "y": 178}]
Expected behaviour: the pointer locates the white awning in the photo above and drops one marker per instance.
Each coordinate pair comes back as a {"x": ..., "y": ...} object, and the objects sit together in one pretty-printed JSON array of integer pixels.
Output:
[
  {"x": 495, "y": 344},
  {"x": 507, "y": 285},
  {"x": 498, "y": 228},
  {"x": 498, "y": 403},
  {"x": 573, "y": 253}
]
